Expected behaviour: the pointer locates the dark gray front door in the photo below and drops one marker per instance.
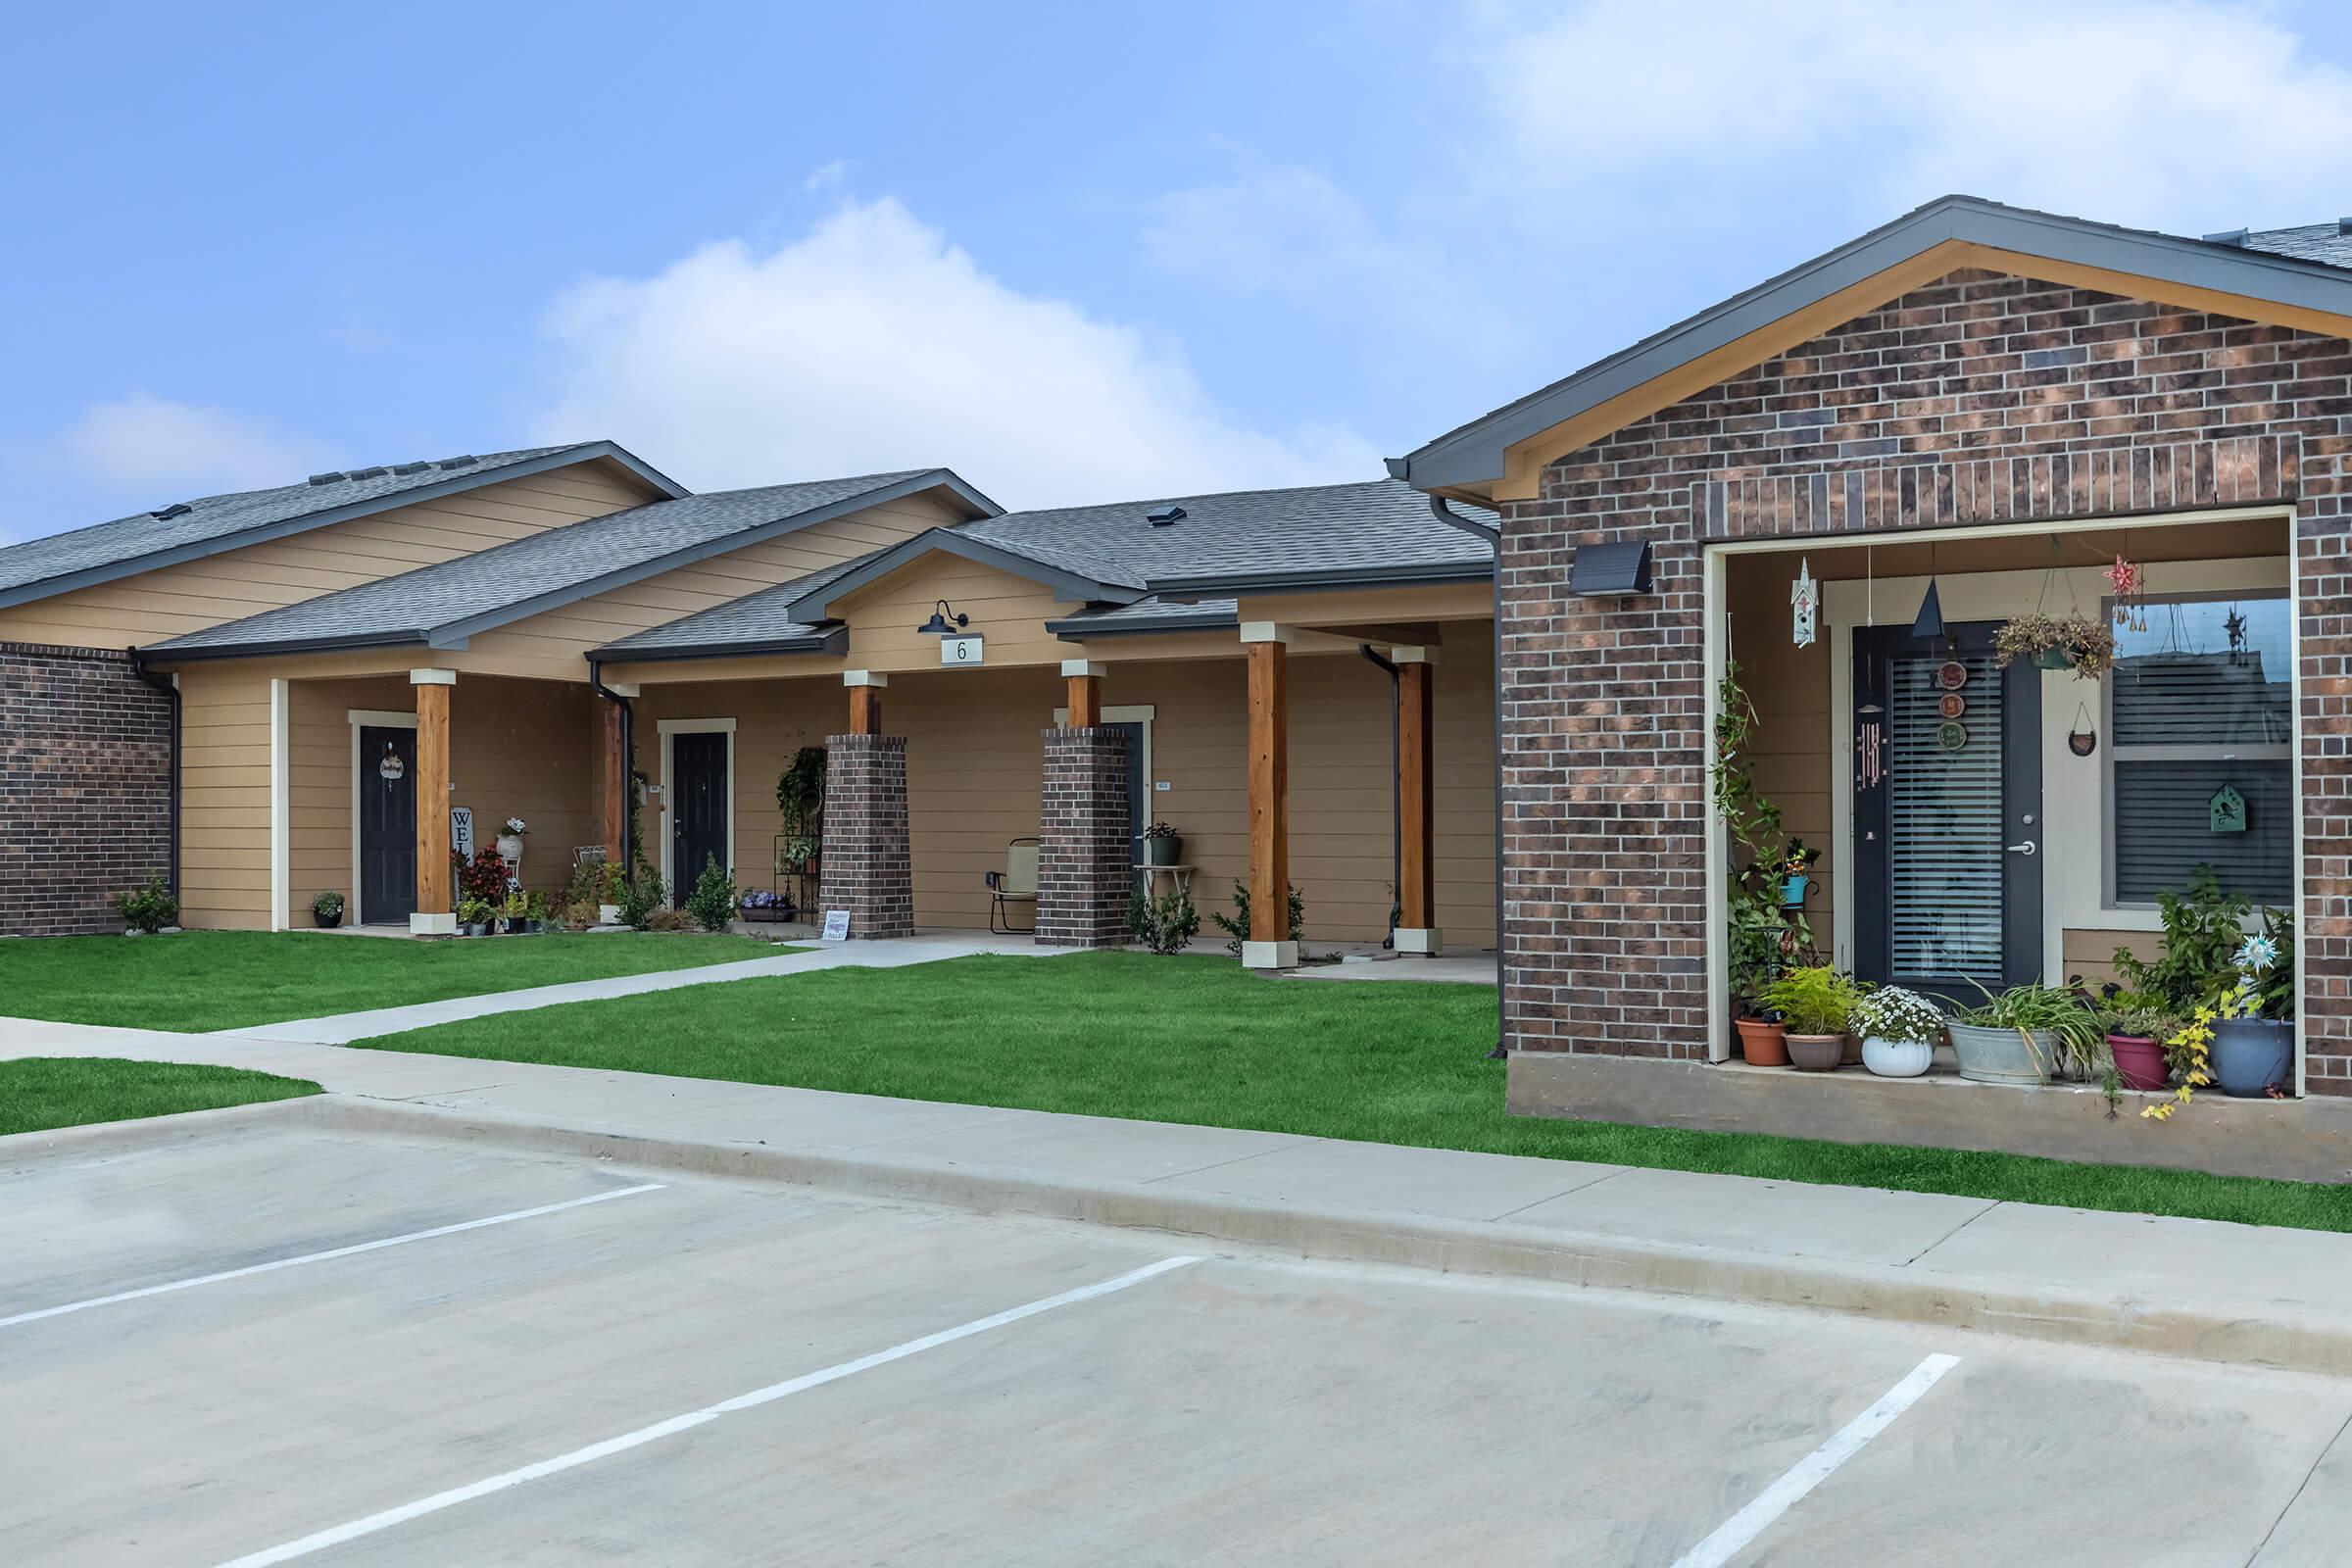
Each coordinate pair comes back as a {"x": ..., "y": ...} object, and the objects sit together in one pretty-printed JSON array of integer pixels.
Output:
[
  {"x": 697, "y": 808},
  {"x": 387, "y": 797},
  {"x": 1138, "y": 791},
  {"x": 1947, "y": 813}
]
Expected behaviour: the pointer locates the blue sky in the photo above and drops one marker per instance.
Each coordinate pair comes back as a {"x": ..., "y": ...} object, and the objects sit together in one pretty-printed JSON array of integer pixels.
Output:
[{"x": 1078, "y": 252}]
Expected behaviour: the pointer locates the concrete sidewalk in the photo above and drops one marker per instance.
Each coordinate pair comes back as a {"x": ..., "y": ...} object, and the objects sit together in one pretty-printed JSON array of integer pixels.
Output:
[{"x": 2195, "y": 1287}]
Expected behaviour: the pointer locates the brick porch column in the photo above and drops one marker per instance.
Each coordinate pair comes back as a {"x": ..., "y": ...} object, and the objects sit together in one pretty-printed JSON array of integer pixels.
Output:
[
  {"x": 868, "y": 867},
  {"x": 1084, "y": 856}
]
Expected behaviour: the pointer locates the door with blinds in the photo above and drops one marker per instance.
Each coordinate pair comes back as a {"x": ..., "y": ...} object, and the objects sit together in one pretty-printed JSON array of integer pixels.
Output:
[{"x": 1947, "y": 812}]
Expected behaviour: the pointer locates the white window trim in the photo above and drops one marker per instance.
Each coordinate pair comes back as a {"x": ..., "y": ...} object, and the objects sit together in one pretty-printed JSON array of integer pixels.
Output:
[
  {"x": 281, "y": 805},
  {"x": 2111, "y": 753},
  {"x": 361, "y": 719},
  {"x": 669, "y": 729},
  {"x": 1134, "y": 713}
]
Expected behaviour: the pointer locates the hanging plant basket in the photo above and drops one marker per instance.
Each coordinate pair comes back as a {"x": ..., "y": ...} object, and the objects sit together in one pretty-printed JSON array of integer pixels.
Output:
[{"x": 2082, "y": 643}]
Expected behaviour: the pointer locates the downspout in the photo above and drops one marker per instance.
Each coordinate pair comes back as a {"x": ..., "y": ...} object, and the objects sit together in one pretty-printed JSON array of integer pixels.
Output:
[
  {"x": 629, "y": 763},
  {"x": 1396, "y": 805},
  {"x": 171, "y": 689},
  {"x": 1491, "y": 538}
]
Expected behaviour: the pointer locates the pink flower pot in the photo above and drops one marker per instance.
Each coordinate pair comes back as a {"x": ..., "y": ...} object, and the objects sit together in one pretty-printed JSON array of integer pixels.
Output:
[{"x": 2139, "y": 1062}]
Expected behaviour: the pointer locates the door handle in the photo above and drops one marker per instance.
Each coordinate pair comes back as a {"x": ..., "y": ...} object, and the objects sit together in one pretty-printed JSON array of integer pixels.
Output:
[{"x": 2027, "y": 848}]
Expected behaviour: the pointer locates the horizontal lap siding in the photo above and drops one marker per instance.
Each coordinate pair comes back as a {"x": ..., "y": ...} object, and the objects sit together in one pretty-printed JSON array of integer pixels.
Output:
[
  {"x": 153, "y": 605},
  {"x": 224, "y": 798}
]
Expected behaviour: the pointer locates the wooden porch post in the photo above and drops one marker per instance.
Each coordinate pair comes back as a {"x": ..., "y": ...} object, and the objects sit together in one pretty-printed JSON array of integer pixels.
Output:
[
  {"x": 1416, "y": 871},
  {"x": 1086, "y": 695},
  {"x": 433, "y": 916},
  {"x": 1269, "y": 945},
  {"x": 612, "y": 778},
  {"x": 866, "y": 700}
]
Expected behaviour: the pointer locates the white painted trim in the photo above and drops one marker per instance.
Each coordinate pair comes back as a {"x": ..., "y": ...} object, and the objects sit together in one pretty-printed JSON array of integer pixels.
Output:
[
  {"x": 1778, "y": 544},
  {"x": 1717, "y": 837},
  {"x": 1424, "y": 940},
  {"x": 670, "y": 729},
  {"x": 2302, "y": 904},
  {"x": 361, "y": 719},
  {"x": 622, "y": 688},
  {"x": 1412, "y": 655},
  {"x": 1264, "y": 631},
  {"x": 863, "y": 677},
  {"x": 1269, "y": 954},
  {"x": 423, "y": 925},
  {"x": 432, "y": 677},
  {"x": 1073, "y": 667},
  {"x": 282, "y": 807}
]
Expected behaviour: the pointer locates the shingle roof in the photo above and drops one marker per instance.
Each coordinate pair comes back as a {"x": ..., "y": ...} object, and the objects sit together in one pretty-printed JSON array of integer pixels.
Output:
[
  {"x": 2326, "y": 243},
  {"x": 444, "y": 603},
  {"x": 1375, "y": 531},
  {"x": 208, "y": 525}
]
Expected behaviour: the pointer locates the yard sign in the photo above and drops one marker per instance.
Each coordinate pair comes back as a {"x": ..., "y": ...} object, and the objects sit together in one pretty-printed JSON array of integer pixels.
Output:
[{"x": 837, "y": 925}]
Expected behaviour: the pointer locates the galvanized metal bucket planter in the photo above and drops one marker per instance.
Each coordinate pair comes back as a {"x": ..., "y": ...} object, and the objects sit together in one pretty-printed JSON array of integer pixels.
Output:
[
  {"x": 2002, "y": 1055},
  {"x": 2251, "y": 1057}
]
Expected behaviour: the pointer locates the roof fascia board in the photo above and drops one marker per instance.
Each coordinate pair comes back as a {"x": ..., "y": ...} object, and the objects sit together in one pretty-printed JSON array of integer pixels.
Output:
[
  {"x": 263, "y": 533},
  {"x": 156, "y": 653},
  {"x": 1374, "y": 576},
  {"x": 1476, "y": 454},
  {"x": 818, "y": 605},
  {"x": 725, "y": 544},
  {"x": 834, "y": 640},
  {"x": 1078, "y": 629}
]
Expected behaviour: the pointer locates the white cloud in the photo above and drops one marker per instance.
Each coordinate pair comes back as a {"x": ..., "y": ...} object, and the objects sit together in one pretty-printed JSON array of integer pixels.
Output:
[
  {"x": 825, "y": 176},
  {"x": 874, "y": 344},
  {"x": 1275, "y": 231},
  {"x": 2186, "y": 115},
  {"x": 169, "y": 451}
]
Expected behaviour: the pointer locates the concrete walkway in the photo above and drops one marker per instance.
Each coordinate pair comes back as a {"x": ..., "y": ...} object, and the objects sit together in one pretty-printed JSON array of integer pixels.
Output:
[{"x": 2190, "y": 1287}]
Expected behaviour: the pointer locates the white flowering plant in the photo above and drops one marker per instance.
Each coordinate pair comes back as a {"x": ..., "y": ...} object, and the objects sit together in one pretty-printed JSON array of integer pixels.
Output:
[
  {"x": 515, "y": 825},
  {"x": 1895, "y": 1014}
]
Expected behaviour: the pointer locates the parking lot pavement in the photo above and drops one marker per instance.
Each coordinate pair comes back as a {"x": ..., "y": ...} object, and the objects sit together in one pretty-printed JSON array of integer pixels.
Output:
[{"x": 288, "y": 1344}]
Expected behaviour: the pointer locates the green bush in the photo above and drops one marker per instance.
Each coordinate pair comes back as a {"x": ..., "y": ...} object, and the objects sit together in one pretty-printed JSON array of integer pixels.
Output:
[
  {"x": 711, "y": 904},
  {"x": 1236, "y": 925},
  {"x": 1165, "y": 924},
  {"x": 1817, "y": 999},
  {"x": 147, "y": 908},
  {"x": 2203, "y": 929},
  {"x": 640, "y": 899}
]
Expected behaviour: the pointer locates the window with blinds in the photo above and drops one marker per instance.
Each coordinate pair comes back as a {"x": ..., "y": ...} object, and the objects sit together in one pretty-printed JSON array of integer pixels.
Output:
[
  {"x": 1944, "y": 854},
  {"x": 2200, "y": 706}
]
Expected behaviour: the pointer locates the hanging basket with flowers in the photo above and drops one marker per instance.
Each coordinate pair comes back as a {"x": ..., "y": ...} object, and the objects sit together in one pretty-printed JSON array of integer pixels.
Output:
[{"x": 2083, "y": 644}]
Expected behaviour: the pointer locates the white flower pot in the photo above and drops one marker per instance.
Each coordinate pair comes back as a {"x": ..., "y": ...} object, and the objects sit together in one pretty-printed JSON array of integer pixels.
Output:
[
  {"x": 1898, "y": 1058},
  {"x": 607, "y": 915},
  {"x": 510, "y": 849}
]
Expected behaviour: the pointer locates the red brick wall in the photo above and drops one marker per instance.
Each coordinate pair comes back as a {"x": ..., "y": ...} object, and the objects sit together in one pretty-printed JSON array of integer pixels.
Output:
[
  {"x": 85, "y": 787},
  {"x": 1980, "y": 398},
  {"x": 867, "y": 867},
  {"x": 1085, "y": 859}
]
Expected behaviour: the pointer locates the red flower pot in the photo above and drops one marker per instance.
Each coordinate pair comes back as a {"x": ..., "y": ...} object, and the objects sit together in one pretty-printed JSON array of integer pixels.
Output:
[{"x": 2139, "y": 1062}]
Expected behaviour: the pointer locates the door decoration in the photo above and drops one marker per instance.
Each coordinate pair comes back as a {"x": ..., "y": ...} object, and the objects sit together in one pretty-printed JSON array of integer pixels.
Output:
[
  {"x": 1951, "y": 704},
  {"x": 2084, "y": 738},
  {"x": 2130, "y": 610},
  {"x": 2228, "y": 811},
  {"x": 461, "y": 831},
  {"x": 1804, "y": 600},
  {"x": 1952, "y": 735},
  {"x": 1951, "y": 675},
  {"x": 1870, "y": 753},
  {"x": 389, "y": 767}
]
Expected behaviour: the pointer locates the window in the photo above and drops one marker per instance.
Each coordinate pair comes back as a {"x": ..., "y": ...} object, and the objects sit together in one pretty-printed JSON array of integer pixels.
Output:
[{"x": 2200, "y": 726}]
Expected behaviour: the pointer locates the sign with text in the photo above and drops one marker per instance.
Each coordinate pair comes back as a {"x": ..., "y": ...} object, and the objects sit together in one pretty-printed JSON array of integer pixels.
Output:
[
  {"x": 960, "y": 651},
  {"x": 837, "y": 925},
  {"x": 461, "y": 831}
]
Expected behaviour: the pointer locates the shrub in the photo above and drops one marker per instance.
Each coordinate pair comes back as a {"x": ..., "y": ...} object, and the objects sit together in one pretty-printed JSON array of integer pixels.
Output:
[
  {"x": 1893, "y": 1013},
  {"x": 327, "y": 906},
  {"x": 711, "y": 904},
  {"x": 484, "y": 877},
  {"x": 641, "y": 900},
  {"x": 1236, "y": 926},
  {"x": 147, "y": 908},
  {"x": 1165, "y": 924},
  {"x": 1816, "y": 999},
  {"x": 668, "y": 920},
  {"x": 475, "y": 912},
  {"x": 2202, "y": 932}
]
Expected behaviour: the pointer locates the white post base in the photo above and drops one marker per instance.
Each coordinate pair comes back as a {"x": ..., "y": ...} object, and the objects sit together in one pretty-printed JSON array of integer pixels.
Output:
[
  {"x": 443, "y": 925},
  {"x": 1269, "y": 954},
  {"x": 1422, "y": 940}
]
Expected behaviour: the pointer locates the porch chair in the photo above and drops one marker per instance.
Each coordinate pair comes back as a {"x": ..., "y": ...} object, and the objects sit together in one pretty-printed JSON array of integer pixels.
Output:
[{"x": 1016, "y": 884}]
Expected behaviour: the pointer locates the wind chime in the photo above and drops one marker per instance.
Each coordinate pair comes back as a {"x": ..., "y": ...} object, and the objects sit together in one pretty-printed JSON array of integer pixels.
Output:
[{"x": 1870, "y": 730}]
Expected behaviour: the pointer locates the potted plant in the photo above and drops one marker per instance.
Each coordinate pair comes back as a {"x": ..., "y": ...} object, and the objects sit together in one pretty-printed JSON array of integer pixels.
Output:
[
  {"x": 1163, "y": 845},
  {"x": 1816, "y": 1002},
  {"x": 801, "y": 805},
  {"x": 2254, "y": 1027},
  {"x": 2084, "y": 644},
  {"x": 326, "y": 910},
  {"x": 518, "y": 910},
  {"x": 473, "y": 916},
  {"x": 608, "y": 883},
  {"x": 2028, "y": 1034},
  {"x": 509, "y": 841},
  {"x": 1901, "y": 1030},
  {"x": 1765, "y": 931},
  {"x": 1757, "y": 929},
  {"x": 2137, "y": 1028},
  {"x": 1796, "y": 874}
]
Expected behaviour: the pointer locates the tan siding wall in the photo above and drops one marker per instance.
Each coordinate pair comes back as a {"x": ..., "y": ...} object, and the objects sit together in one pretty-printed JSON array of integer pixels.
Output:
[
  {"x": 974, "y": 758},
  {"x": 1790, "y": 688},
  {"x": 2091, "y": 953},
  {"x": 1007, "y": 611},
  {"x": 225, "y": 798},
  {"x": 552, "y": 645},
  {"x": 236, "y": 583}
]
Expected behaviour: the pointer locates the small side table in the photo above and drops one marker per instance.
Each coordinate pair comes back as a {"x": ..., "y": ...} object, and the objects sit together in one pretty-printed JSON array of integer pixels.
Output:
[{"x": 1179, "y": 876}]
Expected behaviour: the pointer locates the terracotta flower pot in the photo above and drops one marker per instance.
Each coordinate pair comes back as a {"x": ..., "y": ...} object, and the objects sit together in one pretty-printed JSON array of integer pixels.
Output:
[
  {"x": 1763, "y": 1044},
  {"x": 1816, "y": 1052},
  {"x": 2139, "y": 1062}
]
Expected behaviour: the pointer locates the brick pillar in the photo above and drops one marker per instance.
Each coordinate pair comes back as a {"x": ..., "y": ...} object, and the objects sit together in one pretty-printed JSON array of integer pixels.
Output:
[
  {"x": 867, "y": 866},
  {"x": 1084, "y": 854}
]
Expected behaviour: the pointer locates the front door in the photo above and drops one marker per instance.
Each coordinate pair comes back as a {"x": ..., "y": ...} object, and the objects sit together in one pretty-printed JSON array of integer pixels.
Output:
[
  {"x": 697, "y": 808},
  {"x": 387, "y": 802},
  {"x": 1138, "y": 793},
  {"x": 1947, "y": 813}
]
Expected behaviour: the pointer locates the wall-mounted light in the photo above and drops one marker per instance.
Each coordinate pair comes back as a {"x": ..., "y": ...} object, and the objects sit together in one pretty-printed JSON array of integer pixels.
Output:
[{"x": 944, "y": 623}]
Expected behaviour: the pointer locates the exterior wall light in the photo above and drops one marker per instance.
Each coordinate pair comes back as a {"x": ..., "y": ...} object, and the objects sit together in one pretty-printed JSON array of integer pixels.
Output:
[{"x": 944, "y": 623}]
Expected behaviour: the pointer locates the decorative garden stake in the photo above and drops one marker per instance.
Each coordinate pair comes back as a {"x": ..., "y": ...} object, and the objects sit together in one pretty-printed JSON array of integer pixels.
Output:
[{"x": 1805, "y": 599}]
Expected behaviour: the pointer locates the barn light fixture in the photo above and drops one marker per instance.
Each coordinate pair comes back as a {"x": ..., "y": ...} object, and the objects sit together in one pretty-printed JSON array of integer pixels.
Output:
[{"x": 944, "y": 621}]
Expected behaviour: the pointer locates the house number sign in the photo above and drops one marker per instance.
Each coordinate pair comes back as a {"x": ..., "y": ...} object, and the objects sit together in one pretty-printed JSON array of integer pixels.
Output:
[{"x": 954, "y": 651}]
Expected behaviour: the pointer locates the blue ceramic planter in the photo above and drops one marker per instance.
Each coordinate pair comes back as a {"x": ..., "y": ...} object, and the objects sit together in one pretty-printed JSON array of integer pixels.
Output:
[{"x": 2252, "y": 1055}]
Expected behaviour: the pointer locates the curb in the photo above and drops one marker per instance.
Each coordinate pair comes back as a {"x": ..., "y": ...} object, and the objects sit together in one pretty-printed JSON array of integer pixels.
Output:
[
  {"x": 2267, "y": 1333},
  {"x": 102, "y": 1138}
]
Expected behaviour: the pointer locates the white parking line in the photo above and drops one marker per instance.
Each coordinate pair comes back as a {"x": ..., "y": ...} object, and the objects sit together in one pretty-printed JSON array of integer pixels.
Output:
[
  {"x": 1815, "y": 1467},
  {"x": 320, "y": 1257},
  {"x": 439, "y": 1500}
]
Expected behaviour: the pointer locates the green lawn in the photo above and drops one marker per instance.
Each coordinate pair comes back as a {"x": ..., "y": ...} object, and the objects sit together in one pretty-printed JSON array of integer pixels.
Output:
[
  {"x": 1194, "y": 1040},
  {"x": 204, "y": 980},
  {"x": 38, "y": 1092}
]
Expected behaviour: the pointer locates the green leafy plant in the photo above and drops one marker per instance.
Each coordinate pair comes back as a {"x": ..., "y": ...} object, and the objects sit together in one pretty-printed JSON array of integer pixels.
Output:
[
  {"x": 516, "y": 905},
  {"x": 1815, "y": 998},
  {"x": 2136, "y": 1016},
  {"x": 2203, "y": 927},
  {"x": 474, "y": 911},
  {"x": 640, "y": 898},
  {"x": 2078, "y": 1045},
  {"x": 711, "y": 904},
  {"x": 1893, "y": 1013},
  {"x": 327, "y": 906},
  {"x": 2087, "y": 642},
  {"x": 2271, "y": 976},
  {"x": 800, "y": 802},
  {"x": 1764, "y": 936},
  {"x": 1165, "y": 924},
  {"x": 483, "y": 878},
  {"x": 1236, "y": 925},
  {"x": 148, "y": 907}
]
